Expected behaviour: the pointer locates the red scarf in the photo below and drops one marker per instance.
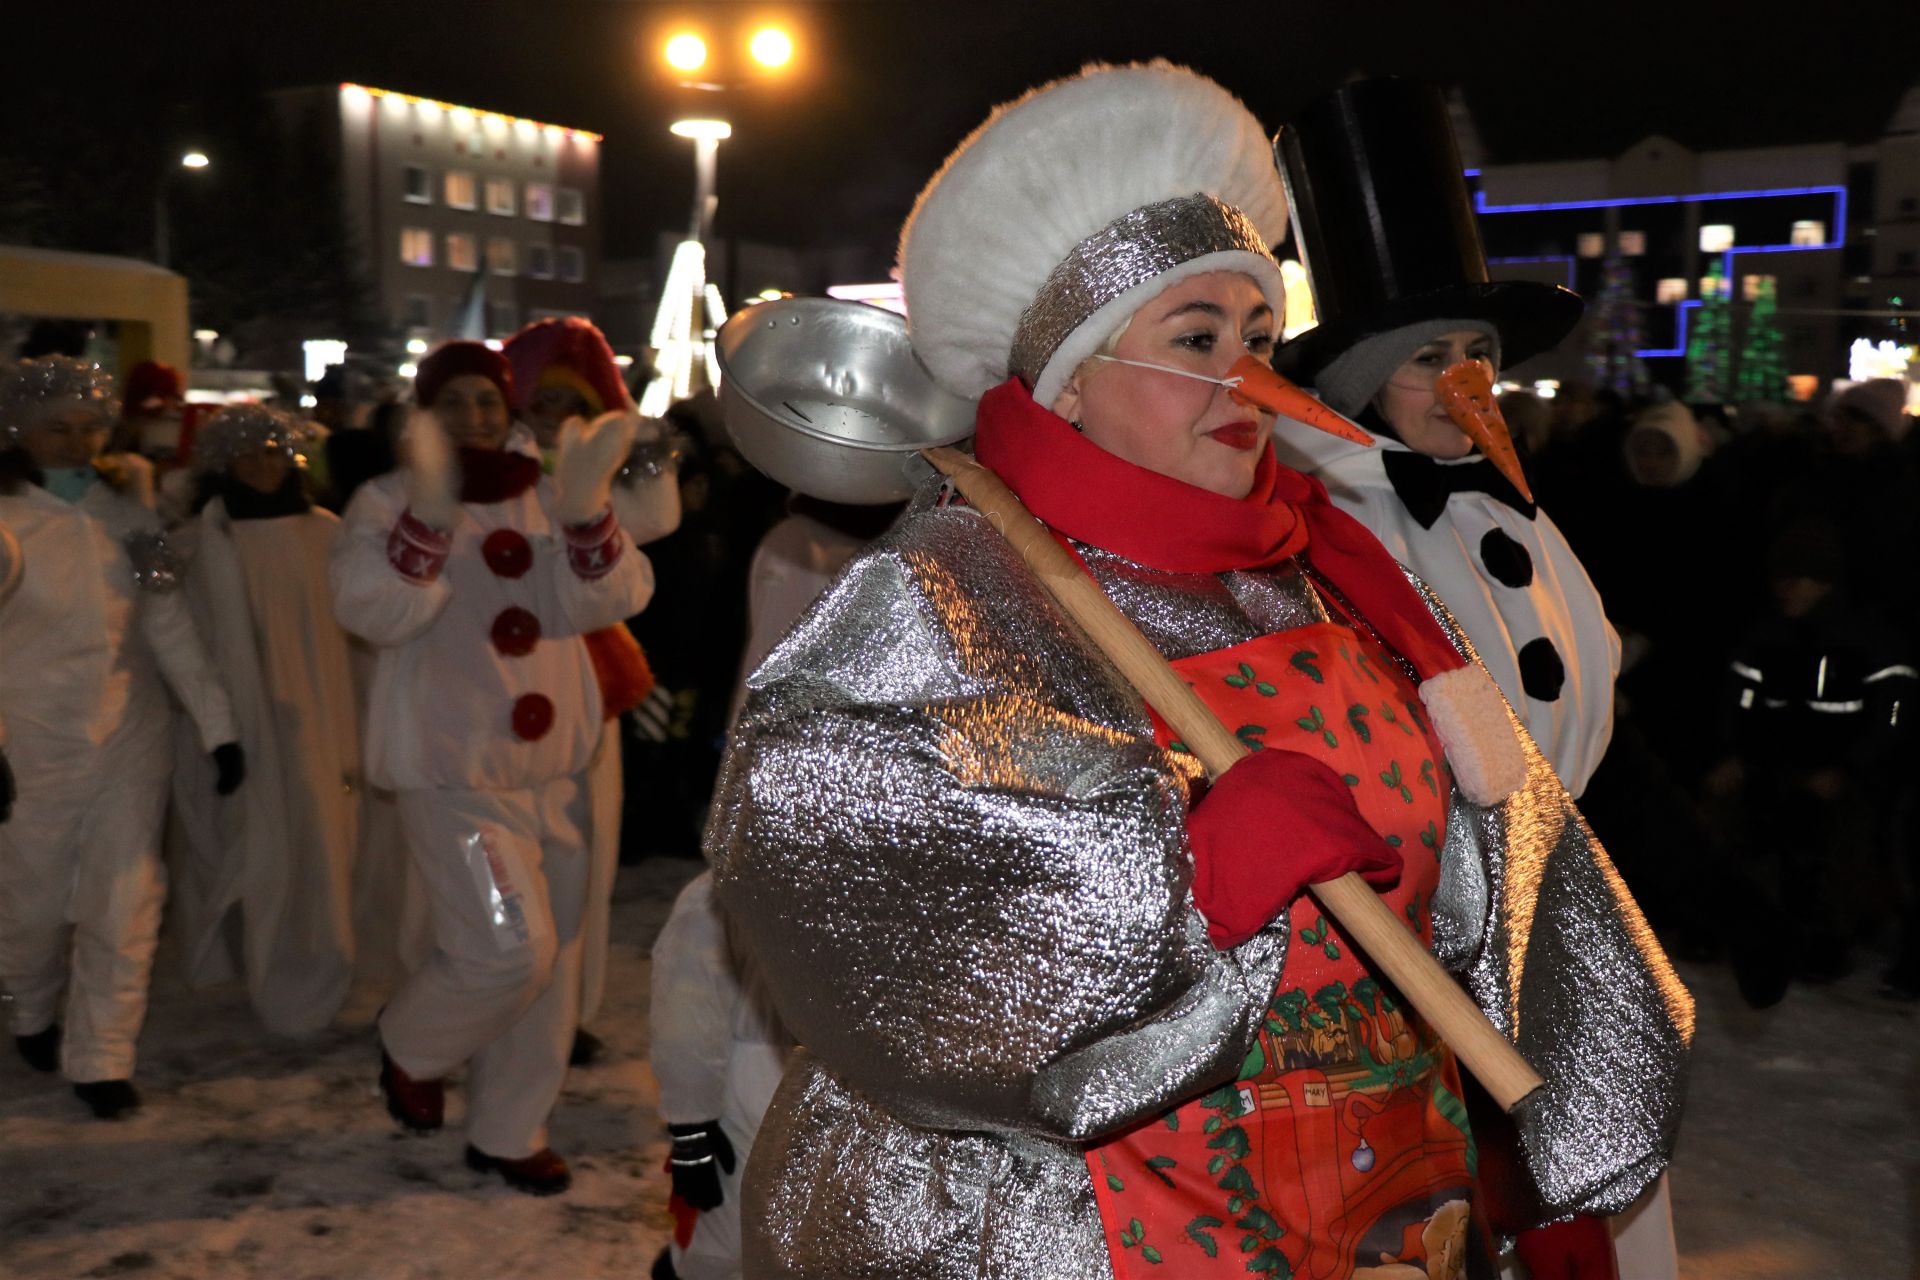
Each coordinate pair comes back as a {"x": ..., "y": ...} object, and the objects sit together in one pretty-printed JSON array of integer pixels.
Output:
[
  {"x": 1096, "y": 497},
  {"x": 494, "y": 475}
]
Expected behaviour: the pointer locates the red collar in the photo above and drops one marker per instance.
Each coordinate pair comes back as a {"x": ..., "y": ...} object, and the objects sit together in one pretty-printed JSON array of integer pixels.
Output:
[
  {"x": 1096, "y": 497},
  {"x": 493, "y": 475}
]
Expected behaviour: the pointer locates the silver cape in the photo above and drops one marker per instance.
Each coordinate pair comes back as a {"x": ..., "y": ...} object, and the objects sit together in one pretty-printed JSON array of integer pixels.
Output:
[{"x": 945, "y": 823}]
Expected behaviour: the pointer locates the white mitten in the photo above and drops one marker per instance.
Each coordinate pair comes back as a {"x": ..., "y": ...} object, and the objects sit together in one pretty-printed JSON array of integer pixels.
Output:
[
  {"x": 433, "y": 481},
  {"x": 590, "y": 453},
  {"x": 646, "y": 498}
]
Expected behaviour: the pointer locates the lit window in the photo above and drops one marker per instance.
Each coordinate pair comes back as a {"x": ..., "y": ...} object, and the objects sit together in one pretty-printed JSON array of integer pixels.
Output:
[
  {"x": 1714, "y": 287},
  {"x": 1633, "y": 244},
  {"x": 1670, "y": 290},
  {"x": 502, "y": 318},
  {"x": 573, "y": 264},
  {"x": 540, "y": 261},
  {"x": 459, "y": 189},
  {"x": 416, "y": 246},
  {"x": 540, "y": 201},
  {"x": 500, "y": 196},
  {"x": 417, "y": 185},
  {"x": 418, "y": 313},
  {"x": 1591, "y": 244},
  {"x": 502, "y": 260},
  {"x": 1716, "y": 237},
  {"x": 462, "y": 253},
  {"x": 1750, "y": 286},
  {"x": 572, "y": 206},
  {"x": 1808, "y": 232}
]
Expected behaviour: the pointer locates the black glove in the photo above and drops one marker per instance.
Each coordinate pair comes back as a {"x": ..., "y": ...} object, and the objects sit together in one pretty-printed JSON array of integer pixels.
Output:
[
  {"x": 7, "y": 792},
  {"x": 232, "y": 764},
  {"x": 700, "y": 1152}
]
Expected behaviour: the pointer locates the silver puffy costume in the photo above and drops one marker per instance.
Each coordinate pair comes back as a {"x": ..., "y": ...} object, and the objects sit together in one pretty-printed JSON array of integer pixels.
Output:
[{"x": 945, "y": 821}]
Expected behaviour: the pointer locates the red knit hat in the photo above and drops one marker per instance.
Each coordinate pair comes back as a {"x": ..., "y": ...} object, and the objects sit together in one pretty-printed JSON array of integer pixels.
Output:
[
  {"x": 452, "y": 360},
  {"x": 149, "y": 385},
  {"x": 567, "y": 351}
]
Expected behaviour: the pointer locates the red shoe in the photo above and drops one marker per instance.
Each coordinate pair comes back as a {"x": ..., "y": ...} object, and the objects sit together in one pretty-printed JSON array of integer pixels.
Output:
[
  {"x": 541, "y": 1174},
  {"x": 419, "y": 1105}
]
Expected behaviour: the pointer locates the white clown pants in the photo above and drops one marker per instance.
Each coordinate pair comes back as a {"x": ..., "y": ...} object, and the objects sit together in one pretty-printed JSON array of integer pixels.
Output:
[
  {"x": 505, "y": 874},
  {"x": 81, "y": 887}
]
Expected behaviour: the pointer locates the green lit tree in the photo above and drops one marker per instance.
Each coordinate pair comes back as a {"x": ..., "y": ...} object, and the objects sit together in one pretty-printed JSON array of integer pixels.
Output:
[
  {"x": 1763, "y": 365},
  {"x": 1708, "y": 353},
  {"x": 1613, "y": 333}
]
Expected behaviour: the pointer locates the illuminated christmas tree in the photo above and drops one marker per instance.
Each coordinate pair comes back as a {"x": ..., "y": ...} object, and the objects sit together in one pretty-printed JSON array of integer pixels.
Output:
[
  {"x": 1763, "y": 365},
  {"x": 1613, "y": 334},
  {"x": 1708, "y": 356}
]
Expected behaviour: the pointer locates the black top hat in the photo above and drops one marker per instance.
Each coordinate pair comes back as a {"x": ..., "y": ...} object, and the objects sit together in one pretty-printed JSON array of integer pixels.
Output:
[{"x": 1386, "y": 229}]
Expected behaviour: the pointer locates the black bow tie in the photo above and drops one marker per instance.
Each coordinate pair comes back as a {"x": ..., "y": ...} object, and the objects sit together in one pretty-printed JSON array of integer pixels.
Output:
[{"x": 1425, "y": 485}]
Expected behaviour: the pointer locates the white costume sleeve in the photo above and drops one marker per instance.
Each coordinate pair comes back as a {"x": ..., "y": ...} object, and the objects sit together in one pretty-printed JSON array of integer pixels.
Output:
[
  {"x": 168, "y": 629},
  {"x": 585, "y": 602},
  {"x": 370, "y": 597},
  {"x": 695, "y": 996}
]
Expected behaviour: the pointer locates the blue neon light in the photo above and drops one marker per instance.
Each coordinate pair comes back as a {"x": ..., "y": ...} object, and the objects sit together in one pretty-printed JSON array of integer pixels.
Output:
[
  {"x": 1681, "y": 349},
  {"x": 1480, "y": 200}
]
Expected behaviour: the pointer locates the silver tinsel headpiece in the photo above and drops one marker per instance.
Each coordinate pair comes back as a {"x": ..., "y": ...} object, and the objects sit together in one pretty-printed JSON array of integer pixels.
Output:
[
  {"x": 242, "y": 429},
  {"x": 33, "y": 385}
]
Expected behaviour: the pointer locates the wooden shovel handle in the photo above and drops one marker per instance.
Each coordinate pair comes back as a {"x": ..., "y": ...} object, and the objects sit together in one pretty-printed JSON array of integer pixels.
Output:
[{"x": 1367, "y": 920}]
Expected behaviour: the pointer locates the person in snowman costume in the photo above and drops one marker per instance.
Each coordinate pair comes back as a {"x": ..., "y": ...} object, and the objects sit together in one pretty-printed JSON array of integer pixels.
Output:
[
  {"x": 476, "y": 578},
  {"x": 1411, "y": 338}
]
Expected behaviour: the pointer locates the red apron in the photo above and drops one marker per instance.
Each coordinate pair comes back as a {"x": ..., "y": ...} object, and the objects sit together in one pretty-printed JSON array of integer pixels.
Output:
[{"x": 1343, "y": 1149}]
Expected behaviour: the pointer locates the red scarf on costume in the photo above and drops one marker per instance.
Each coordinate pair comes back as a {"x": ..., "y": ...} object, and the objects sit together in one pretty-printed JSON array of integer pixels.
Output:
[
  {"x": 1096, "y": 497},
  {"x": 494, "y": 475}
]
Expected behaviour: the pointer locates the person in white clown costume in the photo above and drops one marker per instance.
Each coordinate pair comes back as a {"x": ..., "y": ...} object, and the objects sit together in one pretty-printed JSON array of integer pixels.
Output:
[
  {"x": 475, "y": 577},
  {"x": 281, "y": 854},
  {"x": 94, "y": 632},
  {"x": 1412, "y": 335},
  {"x": 564, "y": 369}
]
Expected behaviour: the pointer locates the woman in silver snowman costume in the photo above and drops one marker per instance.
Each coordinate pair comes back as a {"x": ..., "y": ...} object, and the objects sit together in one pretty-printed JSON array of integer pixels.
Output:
[{"x": 1063, "y": 1014}]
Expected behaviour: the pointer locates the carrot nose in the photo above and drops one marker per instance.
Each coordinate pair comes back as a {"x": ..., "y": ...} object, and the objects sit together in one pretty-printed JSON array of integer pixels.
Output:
[
  {"x": 1465, "y": 391},
  {"x": 1262, "y": 388}
]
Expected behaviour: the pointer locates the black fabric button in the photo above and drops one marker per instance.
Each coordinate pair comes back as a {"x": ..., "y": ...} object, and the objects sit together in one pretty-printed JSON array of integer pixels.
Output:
[
  {"x": 1510, "y": 563},
  {"x": 1541, "y": 671}
]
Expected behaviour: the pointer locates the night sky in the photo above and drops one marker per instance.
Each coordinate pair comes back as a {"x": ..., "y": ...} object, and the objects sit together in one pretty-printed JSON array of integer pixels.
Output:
[{"x": 884, "y": 88}]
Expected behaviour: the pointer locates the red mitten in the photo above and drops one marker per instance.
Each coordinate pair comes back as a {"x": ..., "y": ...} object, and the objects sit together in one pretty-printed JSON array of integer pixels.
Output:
[
  {"x": 1270, "y": 826},
  {"x": 1577, "y": 1249}
]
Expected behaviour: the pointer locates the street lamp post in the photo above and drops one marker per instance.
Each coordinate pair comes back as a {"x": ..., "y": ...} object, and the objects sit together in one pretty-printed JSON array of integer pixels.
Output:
[
  {"x": 691, "y": 308},
  {"x": 162, "y": 230}
]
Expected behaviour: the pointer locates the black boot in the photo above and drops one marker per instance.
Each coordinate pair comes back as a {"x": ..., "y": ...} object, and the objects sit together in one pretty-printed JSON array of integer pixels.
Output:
[
  {"x": 110, "y": 1099},
  {"x": 41, "y": 1049}
]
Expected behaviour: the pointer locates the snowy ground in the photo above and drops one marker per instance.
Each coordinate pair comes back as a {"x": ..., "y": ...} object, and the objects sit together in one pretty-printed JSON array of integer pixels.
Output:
[{"x": 275, "y": 1161}]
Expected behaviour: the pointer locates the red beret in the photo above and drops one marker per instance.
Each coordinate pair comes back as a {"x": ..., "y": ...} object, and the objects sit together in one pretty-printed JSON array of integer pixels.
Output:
[
  {"x": 149, "y": 381},
  {"x": 452, "y": 360}
]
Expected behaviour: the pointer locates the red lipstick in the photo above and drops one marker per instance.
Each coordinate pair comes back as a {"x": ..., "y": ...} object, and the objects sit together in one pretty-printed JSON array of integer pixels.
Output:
[{"x": 1237, "y": 435}]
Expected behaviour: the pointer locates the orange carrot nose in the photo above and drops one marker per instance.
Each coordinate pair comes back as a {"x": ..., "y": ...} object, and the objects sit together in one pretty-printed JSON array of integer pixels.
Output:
[
  {"x": 1262, "y": 388},
  {"x": 1465, "y": 391}
]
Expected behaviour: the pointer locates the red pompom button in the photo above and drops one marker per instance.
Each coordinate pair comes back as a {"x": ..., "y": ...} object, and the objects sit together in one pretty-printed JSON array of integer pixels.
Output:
[
  {"x": 507, "y": 552},
  {"x": 515, "y": 632},
  {"x": 532, "y": 716}
]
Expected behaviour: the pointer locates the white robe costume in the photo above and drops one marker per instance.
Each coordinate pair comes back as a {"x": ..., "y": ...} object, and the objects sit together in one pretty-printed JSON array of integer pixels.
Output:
[
  {"x": 492, "y": 795},
  {"x": 85, "y": 725},
  {"x": 1558, "y": 605},
  {"x": 282, "y": 854}
]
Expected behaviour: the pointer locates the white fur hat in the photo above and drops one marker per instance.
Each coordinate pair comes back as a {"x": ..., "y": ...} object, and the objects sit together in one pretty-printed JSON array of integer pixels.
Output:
[{"x": 1074, "y": 205}]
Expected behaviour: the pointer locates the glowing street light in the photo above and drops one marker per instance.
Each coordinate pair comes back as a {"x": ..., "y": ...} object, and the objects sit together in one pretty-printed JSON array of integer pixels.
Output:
[
  {"x": 686, "y": 52},
  {"x": 701, "y": 130},
  {"x": 771, "y": 47},
  {"x": 194, "y": 160}
]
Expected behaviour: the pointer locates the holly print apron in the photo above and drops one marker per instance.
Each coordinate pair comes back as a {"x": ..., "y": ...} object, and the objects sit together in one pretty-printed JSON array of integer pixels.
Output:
[{"x": 1343, "y": 1149}]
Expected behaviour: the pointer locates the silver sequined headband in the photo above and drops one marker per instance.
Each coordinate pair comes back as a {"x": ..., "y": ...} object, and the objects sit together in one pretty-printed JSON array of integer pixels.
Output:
[
  {"x": 249, "y": 428},
  {"x": 1132, "y": 249},
  {"x": 32, "y": 384}
]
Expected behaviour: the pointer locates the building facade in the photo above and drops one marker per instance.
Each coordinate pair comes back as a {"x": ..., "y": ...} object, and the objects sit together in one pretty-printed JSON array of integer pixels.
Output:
[
  {"x": 472, "y": 222},
  {"x": 1833, "y": 228}
]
